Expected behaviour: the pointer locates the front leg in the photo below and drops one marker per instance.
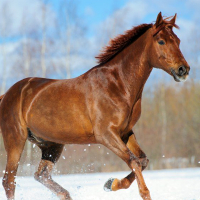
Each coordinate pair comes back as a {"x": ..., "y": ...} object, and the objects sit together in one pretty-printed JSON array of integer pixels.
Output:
[
  {"x": 112, "y": 140},
  {"x": 134, "y": 147},
  {"x": 116, "y": 184}
]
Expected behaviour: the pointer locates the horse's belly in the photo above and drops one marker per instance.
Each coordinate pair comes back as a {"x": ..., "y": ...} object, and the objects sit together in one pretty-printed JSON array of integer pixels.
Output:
[
  {"x": 66, "y": 123},
  {"x": 76, "y": 131}
]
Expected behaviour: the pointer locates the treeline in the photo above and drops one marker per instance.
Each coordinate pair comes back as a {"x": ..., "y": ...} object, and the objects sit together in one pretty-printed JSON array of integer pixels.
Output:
[{"x": 169, "y": 127}]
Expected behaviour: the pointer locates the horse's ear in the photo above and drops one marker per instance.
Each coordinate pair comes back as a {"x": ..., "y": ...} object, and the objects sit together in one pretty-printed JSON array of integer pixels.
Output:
[
  {"x": 173, "y": 20},
  {"x": 159, "y": 19}
]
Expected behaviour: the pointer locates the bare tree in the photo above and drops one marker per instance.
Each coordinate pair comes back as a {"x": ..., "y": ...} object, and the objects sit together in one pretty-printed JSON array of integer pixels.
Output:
[
  {"x": 43, "y": 46},
  {"x": 71, "y": 31},
  {"x": 68, "y": 45},
  {"x": 26, "y": 54},
  {"x": 3, "y": 31},
  {"x": 67, "y": 14},
  {"x": 163, "y": 119}
]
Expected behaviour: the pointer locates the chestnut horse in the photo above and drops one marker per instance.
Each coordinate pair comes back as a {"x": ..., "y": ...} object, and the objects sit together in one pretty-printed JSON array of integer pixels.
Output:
[{"x": 100, "y": 106}]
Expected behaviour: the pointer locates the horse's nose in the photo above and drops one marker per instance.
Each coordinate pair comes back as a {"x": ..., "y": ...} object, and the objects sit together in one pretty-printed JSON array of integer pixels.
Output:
[{"x": 182, "y": 70}]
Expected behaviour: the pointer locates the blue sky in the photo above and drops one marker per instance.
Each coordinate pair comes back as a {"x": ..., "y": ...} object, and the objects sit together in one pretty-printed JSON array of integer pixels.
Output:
[
  {"x": 95, "y": 11},
  {"x": 100, "y": 15},
  {"x": 104, "y": 20}
]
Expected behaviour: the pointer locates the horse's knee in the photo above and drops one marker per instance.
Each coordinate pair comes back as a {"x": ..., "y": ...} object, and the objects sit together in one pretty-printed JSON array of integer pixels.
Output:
[
  {"x": 144, "y": 162},
  {"x": 135, "y": 163},
  {"x": 139, "y": 162}
]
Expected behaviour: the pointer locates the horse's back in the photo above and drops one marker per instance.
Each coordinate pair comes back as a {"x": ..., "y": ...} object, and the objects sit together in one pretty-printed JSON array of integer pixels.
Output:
[{"x": 18, "y": 92}]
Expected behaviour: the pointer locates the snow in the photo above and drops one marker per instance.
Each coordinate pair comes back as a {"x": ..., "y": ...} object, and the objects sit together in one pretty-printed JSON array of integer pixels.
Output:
[{"x": 176, "y": 184}]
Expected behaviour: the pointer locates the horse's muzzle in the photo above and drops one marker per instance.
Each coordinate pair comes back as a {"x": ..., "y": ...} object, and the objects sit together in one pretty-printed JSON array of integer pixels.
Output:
[{"x": 181, "y": 74}]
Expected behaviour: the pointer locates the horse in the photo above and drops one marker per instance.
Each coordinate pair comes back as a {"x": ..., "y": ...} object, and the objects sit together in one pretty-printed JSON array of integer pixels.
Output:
[{"x": 100, "y": 106}]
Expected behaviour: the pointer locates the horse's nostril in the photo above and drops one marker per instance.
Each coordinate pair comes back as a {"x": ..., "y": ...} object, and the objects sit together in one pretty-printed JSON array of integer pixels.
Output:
[{"x": 182, "y": 70}]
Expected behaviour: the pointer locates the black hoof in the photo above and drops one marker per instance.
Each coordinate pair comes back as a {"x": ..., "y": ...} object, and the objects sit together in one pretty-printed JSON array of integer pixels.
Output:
[{"x": 108, "y": 185}]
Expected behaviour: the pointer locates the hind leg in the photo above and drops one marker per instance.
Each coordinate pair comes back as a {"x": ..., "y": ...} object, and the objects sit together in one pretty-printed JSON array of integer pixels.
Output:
[
  {"x": 14, "y": 147},
  {"x": 50, "y": 154},
  {"x": 116, "y": 184}
]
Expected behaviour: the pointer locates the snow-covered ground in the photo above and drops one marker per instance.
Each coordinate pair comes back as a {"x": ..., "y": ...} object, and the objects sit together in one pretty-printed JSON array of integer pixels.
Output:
[{"x": 177, "y": 184}]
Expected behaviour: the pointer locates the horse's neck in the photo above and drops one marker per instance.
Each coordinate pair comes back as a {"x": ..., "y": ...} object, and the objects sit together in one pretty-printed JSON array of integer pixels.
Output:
[{"x": 134, "y": 67}]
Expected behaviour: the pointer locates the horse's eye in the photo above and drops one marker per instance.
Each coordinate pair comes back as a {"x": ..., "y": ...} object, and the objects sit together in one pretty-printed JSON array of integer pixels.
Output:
[{"x": 161, "y": 42}]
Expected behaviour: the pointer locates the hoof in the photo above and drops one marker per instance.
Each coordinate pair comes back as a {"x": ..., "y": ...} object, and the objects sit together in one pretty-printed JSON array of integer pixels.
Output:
[{"x": 108, "y": 185}]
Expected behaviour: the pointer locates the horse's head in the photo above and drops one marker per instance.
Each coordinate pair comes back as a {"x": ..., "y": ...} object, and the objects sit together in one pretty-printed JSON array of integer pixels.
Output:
[{"x": 165, "y": 52}]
